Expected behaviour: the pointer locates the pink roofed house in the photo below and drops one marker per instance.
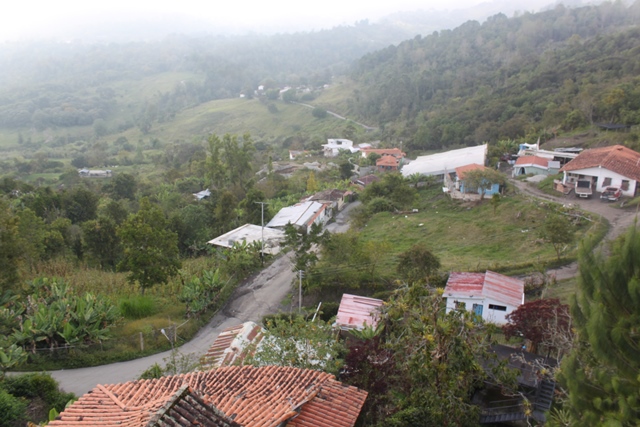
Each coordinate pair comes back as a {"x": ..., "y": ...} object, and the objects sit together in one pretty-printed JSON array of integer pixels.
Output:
[{"x": 490, "y": 295}]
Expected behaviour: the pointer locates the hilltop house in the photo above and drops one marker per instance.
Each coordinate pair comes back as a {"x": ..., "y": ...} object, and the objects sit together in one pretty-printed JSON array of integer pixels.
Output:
[
  {"x": 229, "y": 396},
  {"x": 490, "y": 295},
  {"x": 615, "y": 166}
]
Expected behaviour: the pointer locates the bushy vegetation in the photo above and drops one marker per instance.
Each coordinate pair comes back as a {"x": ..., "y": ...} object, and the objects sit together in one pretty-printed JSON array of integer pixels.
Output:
[{"x": 30, "y": 398}]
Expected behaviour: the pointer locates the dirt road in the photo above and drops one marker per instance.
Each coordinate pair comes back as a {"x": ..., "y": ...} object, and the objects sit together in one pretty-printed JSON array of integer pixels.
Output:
[
  {"x": 619, "y": 219},
  {"x": 258, "y": 296}
]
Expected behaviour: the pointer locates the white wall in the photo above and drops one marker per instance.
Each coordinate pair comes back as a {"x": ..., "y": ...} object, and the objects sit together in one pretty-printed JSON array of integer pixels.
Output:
[
  {"x": 601, "y": 174},
  {"x": 493, "y": 316}
]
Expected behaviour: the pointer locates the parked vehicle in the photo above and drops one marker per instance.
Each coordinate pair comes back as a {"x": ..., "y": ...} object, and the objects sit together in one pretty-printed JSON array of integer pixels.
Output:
[
  {"x": 610, "y": 194},
  {"x": 583, "y": 188}
]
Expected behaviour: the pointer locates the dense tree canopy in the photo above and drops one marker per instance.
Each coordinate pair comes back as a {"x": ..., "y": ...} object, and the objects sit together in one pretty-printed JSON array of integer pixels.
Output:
[
  {"x": 150, "y": 249},
  {"x": 602, "y": 374}
]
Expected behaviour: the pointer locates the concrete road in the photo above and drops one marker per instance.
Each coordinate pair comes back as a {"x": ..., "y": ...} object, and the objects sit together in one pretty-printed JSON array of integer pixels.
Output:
[
  {"x": 266, "y": 293},
  {"x": 257, "y": 297}
]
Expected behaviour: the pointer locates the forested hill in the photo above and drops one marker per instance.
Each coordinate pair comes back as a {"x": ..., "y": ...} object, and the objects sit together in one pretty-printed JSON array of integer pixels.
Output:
[
  {"x": 49, "y": 84},
  {"x": 533, "y": 74}
]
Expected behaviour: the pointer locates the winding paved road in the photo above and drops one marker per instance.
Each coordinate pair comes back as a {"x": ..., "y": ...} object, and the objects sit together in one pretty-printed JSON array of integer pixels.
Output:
[{"x": 261, "y": 295}]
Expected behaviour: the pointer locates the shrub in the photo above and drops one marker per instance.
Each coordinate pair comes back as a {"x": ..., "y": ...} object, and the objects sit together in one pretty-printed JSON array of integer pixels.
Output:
[
  {"x": 12, "y": 410},
  {"x": 137, "y": 307}
]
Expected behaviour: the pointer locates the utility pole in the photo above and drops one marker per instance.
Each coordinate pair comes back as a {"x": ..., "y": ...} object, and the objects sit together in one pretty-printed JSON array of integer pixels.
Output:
[
  {"x": 262, "y": 244},
  {"x": 301, "y": 273}
]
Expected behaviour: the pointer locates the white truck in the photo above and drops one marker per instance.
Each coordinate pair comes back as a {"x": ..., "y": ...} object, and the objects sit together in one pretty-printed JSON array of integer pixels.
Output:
[{"x": 583, "y": 188}]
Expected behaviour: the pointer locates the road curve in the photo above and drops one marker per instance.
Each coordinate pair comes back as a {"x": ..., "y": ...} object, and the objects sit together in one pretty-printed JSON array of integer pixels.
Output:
[{"x": 261, "y": 295}]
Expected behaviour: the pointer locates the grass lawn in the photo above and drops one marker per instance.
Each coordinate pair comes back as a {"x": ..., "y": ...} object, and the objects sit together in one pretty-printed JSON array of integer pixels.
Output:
[{"x": 470, "y": 237}]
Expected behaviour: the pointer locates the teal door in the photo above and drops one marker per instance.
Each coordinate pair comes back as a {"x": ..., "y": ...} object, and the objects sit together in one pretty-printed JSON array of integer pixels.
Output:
[{"x": 477, "y": 309}]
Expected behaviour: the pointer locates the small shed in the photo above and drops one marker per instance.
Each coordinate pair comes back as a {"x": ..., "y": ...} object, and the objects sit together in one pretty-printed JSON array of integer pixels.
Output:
[{"x": 356, "y": 312}]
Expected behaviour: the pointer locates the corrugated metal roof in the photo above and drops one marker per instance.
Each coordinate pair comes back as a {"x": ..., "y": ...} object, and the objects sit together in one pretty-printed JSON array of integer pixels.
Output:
[
  {"x": 250, "y": 233},
  {"x": 504, "y": 289},
  {"x": 508, "y": 290},
  {"x": 299, "y": 214},
  {"x": 356, "y": 311},
  {"x": 438, "y": 164}
]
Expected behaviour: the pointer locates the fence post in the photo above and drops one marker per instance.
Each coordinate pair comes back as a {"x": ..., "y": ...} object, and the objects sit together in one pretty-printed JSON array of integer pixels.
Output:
[
  {"x": 141, "y": 342},
  {"x": 175, "y": 334}
]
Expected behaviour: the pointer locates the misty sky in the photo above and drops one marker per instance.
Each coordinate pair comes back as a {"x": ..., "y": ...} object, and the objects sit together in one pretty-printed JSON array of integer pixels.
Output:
[{"x": 35, "y": 19}]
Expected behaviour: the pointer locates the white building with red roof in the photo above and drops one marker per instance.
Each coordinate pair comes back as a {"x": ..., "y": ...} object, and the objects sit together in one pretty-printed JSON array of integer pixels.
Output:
[
  {"x": 615, "y": 166},
  {"x": 535, "y": 165},
  {"x": 490, "y": 295}
]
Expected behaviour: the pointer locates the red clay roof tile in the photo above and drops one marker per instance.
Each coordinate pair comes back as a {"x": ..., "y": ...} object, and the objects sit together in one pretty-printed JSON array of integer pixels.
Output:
[
  {"x": 617, "y": 158},
  {"x": 249, "y": 396}
]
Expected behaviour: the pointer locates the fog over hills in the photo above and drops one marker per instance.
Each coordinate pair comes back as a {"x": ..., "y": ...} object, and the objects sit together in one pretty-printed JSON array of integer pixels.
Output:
[{"x": 122, "y": 22}]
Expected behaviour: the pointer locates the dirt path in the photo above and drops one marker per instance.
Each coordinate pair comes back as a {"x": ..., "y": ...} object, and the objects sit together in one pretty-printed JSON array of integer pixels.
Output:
[{"x": 619, "y": 219}]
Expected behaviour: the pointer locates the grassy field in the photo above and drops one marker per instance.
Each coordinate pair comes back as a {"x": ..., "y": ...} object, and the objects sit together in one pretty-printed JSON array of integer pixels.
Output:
[{"x": 470, "y": 237}]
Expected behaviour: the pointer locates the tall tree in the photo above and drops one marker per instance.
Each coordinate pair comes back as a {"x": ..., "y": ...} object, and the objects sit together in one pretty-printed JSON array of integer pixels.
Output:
[
  {"x": 9, "y": 248},
  {"x": 558, "y": 231},
  {"x": 602, "y": 374},
  {"x": 150, "y": 249}
]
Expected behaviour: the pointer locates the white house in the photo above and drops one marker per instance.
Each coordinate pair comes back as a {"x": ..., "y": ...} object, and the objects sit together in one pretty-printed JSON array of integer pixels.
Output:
[
  {"x": 333, "y": 147},
  {"x": 490, "y": 295},
  {"x": 535, "y": 165},
  {"x": 302, "y": 216},
  {"x": 441, "y": 163},
  {"x": 615, "y": 166}
]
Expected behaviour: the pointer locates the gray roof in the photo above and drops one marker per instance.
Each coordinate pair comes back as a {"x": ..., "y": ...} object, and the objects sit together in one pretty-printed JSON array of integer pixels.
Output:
[
  {"x": 250, "y": 233},
  {"x": 440, "y": 163},
  {"x": 300, "y": 214}
]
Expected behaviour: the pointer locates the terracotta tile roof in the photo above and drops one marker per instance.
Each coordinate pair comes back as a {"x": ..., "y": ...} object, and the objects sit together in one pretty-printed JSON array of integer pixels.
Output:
[
  {"x": 387, "y": 161},
  {"x": 232, "y": 345},
  {"x": 250, "y": 396},
  {"x": 532, "y": 160},
  {"x": 187, "y": 407},
  {"x": 461, "y": 170},
  {"x": 356, "y": 311},
  {"x": 617, "y": 158},
  {"x": 336, "y": 405},
  {"x": 498, "y": 287}
]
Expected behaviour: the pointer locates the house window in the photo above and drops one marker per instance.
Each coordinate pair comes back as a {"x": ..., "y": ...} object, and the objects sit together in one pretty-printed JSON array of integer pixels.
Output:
[
  {"x": 497, "y": 307},
  {"x": 606, "y": 182},
  {"x": 460, "y": 305},
  {"x": 625, "y": 185}
]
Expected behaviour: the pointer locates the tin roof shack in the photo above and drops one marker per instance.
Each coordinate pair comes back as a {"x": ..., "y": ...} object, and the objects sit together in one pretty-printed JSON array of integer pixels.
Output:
[
  {"x": 269, "y": 396},
  {"x": 87, "y": 173},
  {"x": 249, "y": 234},
  {"x": 615, "y": 166},
  {"x": 445, "y": 163},
  {"x": 302, "y": 216},
  {"x": 356, "y": 312},
  {"x": 535, "y": 165},
  {"x": 333, "y": 199},
  {"x": 490, "y": 295}
]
